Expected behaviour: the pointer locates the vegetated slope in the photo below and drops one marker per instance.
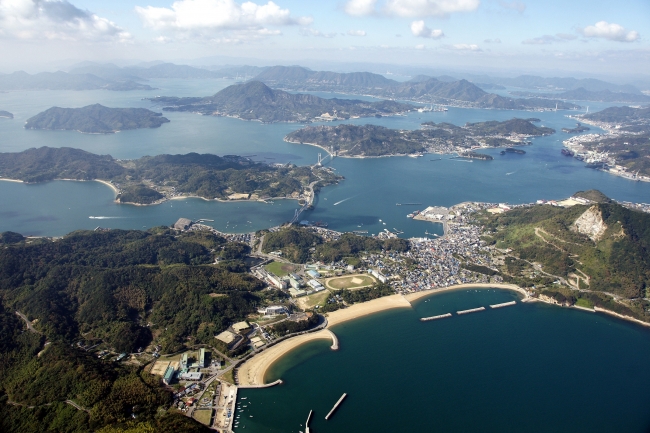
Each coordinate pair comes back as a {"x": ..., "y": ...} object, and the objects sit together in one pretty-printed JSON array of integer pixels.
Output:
[
  {"x": 422, "y": 88},
  {"x": 118, "y": 288},
  {"x": 96, "y": 119},
  {"x": 47, "y": 163},
  {"x": 373, "y": 140},
  {"x": 205, "y": 175},
  {"x": 256, "y": 101},
  {"x": 620, "y": 115},
  {"x": 605, "y": 245},
  {"x": 64, "y": 81},
  {"x": 582, "y": 94},
  {"x": 356, "y": 140}
]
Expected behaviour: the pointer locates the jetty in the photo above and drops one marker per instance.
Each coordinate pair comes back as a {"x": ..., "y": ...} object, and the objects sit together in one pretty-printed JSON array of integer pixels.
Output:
[
  {"x": 335, "y": 406},
  {"x": 440, "y": 316},
  {"x": 472, "y": 310},
  {"x": 505, "y": 304},
  {"x": 307, "y": 422}
]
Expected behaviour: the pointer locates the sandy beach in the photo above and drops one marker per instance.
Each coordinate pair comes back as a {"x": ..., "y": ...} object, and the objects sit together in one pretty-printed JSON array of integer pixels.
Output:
[
  {"x": 252, "y": 371},
  {"x": 11, "y": 180},
  {"x": 113, "y": 187}
]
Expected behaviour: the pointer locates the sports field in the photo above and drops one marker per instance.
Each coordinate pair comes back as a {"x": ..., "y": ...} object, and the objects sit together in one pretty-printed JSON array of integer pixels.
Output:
[
  {"x": 280, "y": 269},
  {"x": 350, "y": 282}
]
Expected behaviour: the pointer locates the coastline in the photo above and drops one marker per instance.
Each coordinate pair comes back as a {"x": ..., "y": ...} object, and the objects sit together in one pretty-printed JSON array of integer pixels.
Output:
[
  {"x": 105, "y": 182},
  {"x": 12, "y": 180},
  {"x": 253, "y": 371}
]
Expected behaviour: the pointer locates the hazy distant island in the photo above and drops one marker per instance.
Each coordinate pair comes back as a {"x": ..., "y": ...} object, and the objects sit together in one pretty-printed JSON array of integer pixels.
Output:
[
  {"x": 96, "y": 119},
  {"x": 625, "y": 149},
  {"x": 6, "y": 115},
  {"x": 256, "y": 101},
  {"x": 154, "y": 179},
  {"x": 582, "y": 94},
  {"x": 372, "y": 140},
  {"x": 421, "y": 88},
  {"x": 65, "y": 81}
]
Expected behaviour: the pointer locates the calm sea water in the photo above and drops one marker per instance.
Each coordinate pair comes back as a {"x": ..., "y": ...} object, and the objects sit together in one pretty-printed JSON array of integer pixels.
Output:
[
  {"x": 526, "y": 368},
  {"x": 366, "y": 200}
]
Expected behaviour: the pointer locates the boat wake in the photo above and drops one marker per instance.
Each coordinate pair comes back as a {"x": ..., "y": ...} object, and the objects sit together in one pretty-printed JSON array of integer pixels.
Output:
[
  {"x": 345, "y": 199},
  {"x": 104, "y": 217},
  {"x": 512, "y": 172}
]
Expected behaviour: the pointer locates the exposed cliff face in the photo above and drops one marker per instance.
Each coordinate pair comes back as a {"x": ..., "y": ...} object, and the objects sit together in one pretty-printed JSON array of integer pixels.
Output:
[{"x": 591, "y": 224}]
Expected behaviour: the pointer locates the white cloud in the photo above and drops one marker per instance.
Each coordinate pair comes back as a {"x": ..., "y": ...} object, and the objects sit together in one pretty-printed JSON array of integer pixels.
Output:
[
  {"x": 420, "y": 47},
  {"x": 492, "y": 41},
  {"x": 360, "y": 8},
  {"x": 419, "y": 29},
  {"x": 356, "y": 33},
  {"x": 542, "y": 40},
  {"x": 464, "y": 47},
  {"x": 206, "y": 17},
  {"x": 423, "y": 8},
  {"x": 317, "y": 33},
  {"x": 515, "y": 5},
  {"x": 613, "y": 32},
  {"x": 55, "y": 19}
]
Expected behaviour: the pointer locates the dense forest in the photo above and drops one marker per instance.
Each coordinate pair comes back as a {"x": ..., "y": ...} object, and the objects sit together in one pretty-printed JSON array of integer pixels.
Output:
[
  {"x": 256, "y": 101},
  {"x": 613, "y": 259},
  {"x": 203, "y": 175},
  {"x": 96, "y": 119},
  {"x": 296, "y": 244},
  {"x": 373, "y": 140},
  {"x": 120, "y": 289}
]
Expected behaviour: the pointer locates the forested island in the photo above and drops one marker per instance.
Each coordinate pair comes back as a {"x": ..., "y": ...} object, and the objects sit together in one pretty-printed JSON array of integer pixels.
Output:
[
  {"x": 6, "y": 114},
  {"x": 152, "y": 179},
  {"x": 582, "y": 94},
  {"x": 65, "y": 81},
  {"x": 96, "y": 119},
  {"x": 118, "y": 291},
  {"x": 256, "y": 101},
  {"x": 372, "y": 140},
  {"x": 421, "y": 88}
]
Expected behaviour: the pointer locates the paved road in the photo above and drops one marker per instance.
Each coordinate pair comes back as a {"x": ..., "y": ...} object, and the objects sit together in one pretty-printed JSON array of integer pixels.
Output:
[{"x": 27, "y": 322}]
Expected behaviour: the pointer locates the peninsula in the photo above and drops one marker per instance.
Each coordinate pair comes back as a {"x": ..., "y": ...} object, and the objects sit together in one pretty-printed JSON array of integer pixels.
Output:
[
  {"x": 95, "y": 119},
  {"x": 371, "y": 140},
  {"x": 59, "y": 80},
  {"x": 624, "y": 150},
  {"x": 6, "y": 114},
  {"x": 154, "y": 179},
  {"x": 256, "y": 101}
]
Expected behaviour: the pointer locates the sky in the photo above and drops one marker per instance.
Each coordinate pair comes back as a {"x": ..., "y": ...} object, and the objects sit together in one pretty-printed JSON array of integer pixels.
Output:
[{"x": 584, "y": 37}]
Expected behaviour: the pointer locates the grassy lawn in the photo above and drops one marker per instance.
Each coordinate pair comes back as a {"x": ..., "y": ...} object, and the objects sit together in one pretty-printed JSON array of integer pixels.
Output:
[
  {"x": 581, "y": 302},
  {"x": 280, "y": 269},
  {"x": 350, "y": 282},
  {"x": 307, "y": 302},
  {"x": 204, "y": 416},
  {"x": 228, "y": 377}
]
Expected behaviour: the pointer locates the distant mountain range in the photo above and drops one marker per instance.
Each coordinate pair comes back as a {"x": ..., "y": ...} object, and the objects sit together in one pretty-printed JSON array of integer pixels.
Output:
[
  {"x": 582, "y": 94},
  {"x": 110, "y": 71},
  {"x": 95, "y": 119},
  {"x": 6, "y": 114},
  {"x": 421, "y": 88},
  {"x": 65, "y": 81},
  {"x": 555, "y": 83},
  {"x": 256, "y": 101}
]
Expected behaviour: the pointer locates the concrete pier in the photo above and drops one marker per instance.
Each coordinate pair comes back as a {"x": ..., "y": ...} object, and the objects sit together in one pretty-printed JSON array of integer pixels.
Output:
[
  {"x": 440, "y": 316},
  {"x": 505, "y": 304},
  {"x": 307, "y": 422},
  {"x": 277, "y": 382},
  {"x": 473, "y": 310},
  {"x": 335, "y": 406}
]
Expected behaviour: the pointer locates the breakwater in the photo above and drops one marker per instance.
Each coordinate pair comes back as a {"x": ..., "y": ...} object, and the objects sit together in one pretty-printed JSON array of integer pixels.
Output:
[
  {"x": 440, "y": 316},
  {"x": 336, "y": 405},
  {"x": 504, "y": 304},
  {"x": 471, "y": 310}
]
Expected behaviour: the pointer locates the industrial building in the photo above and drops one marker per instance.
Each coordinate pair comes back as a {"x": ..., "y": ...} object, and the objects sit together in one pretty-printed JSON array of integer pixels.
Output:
[
  {"x": 169, "y": 375},
  {"x": 183, "y": 224}
]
